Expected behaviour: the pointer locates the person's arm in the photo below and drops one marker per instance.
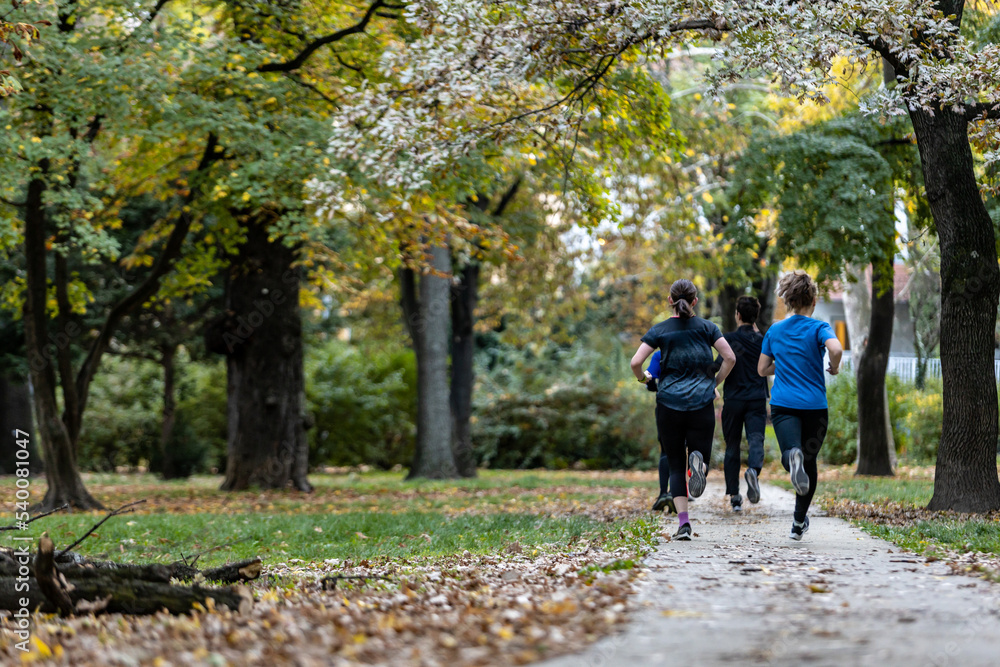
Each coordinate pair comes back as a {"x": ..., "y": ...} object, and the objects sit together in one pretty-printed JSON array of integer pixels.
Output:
[
  {"x": 639, "y": 359},
  {"x": 836, "y": 351},
  {"x": 728, "y": 359},
  {"x": 765, "y": 366}
]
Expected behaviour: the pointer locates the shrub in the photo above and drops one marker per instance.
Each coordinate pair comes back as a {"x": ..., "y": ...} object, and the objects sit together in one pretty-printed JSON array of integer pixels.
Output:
[
  {"x": 201, "y": 404},
  {"x": 188, "y": 451},
  {"x": 564, "y": 407},
  {"x": 121, "y": 426},
  {"x": 364, "y": 404},
  {"x": 841, "y": 444},
  {"x": 923, "y": 420}
]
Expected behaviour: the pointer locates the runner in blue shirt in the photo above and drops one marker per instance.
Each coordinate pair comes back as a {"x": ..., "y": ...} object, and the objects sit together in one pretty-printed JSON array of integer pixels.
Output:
[{"x": 793, "y": 352}]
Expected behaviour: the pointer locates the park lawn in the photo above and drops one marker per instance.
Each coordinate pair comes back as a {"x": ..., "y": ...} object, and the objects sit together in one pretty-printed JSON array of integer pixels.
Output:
[
  {"x": 507, "y": 568},
  {"x": 893, "y": 509},
  {"x": 355, "y": 516}
]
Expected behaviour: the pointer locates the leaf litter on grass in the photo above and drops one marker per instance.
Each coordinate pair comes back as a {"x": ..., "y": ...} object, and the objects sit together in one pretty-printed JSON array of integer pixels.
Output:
[{"x": 520, "y": 603}]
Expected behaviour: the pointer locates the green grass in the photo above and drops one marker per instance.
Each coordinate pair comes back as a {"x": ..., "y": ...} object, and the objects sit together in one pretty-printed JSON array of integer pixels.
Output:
[
  {"x": 925, "y": 536},
  {"x": 976, "y": 533},
  {"x": 278, "y": 537},
  {"x": 370, "y": 516},
  {"x": 874, "y": 489}
]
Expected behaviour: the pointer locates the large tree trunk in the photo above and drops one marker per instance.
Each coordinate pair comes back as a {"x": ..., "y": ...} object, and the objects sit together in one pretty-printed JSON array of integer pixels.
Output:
[
  {"x": 168, "y": 354},
  {"x": 727, "y": 306},
  {"x": 427, "y": 318},
  {"x": 15, "y": 413},
  {"x": 875, "y": 443},
  {"x": 861, "y": 308},
  {"x": 966, "y": 476},
  {"x": 262, "y": 339},
  {"x": 857, "y": 310},
  {"x": 64, "y": 483},
  {"x": 464, "y": 298}
]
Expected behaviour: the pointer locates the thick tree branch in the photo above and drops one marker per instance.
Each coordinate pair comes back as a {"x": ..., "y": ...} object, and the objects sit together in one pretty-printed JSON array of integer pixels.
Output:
[
  {"x": 300, "y": 60},
  {"x": 149, "y": 287},
  {"x": 315, "y": 89},
  {"x": 879, "y": 46},
  {"x": 71, "y": 406},
  {"x": 507, "y": 198},
  {"x": 982, "y": 111}
]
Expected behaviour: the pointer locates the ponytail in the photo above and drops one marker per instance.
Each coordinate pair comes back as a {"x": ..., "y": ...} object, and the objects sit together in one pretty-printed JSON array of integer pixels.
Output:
[{"x": 683, "y": 293}]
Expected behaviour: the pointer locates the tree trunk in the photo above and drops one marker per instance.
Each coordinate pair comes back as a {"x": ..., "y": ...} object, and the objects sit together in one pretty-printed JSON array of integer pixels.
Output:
[
  {"x": 15, "y": 413},
  {"x": 464, "y": 298},
  {"x": 857, "y": 310},
  {"x": 262, "y": 339},
  {"x": 874, "y": 431},
  {"x": 427, "y": 318},
  {"x": 965, "y": 479},
  {"x": 65, "y": 485},
  {"x": 168, "y": 354},
  {"x": 727, "y": 306},
  {"x": 764, "y": 291}
]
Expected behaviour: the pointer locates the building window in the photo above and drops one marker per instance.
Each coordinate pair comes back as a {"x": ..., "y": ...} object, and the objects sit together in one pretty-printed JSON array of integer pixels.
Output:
[{"x": 840, "y": 328}]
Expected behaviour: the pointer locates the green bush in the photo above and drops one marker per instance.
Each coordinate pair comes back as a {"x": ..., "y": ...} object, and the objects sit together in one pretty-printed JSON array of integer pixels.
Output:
[
  {"x": 201, "y": 402},
  {"x": 364, "y": 404},
  {"x": 841, "y": 444},
  {"x": 564, "y": 407},
  {"x": 922, "y": 422},
  {"x": 186, "y": 448},
  {"x": 121, "y": 426}
]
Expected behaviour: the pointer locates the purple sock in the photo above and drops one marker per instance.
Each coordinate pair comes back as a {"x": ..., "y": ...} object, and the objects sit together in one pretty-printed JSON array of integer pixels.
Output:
[{"x": 682, "y": 517}]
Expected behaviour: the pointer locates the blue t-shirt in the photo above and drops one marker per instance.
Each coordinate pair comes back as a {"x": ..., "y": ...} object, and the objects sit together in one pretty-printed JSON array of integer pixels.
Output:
[
  {"x": 797, "y": 345},
  {"x": 654, "y": 365},
  {"x": 687, "y": 376}
]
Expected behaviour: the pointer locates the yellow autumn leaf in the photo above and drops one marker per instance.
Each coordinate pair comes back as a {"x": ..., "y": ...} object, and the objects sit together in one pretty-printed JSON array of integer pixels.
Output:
[{"x": 39, "y": 651}]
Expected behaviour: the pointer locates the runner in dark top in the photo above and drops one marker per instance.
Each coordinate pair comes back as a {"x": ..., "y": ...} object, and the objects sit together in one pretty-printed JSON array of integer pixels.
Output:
[
  {"x": 745, "y": 406},
  {"x": 685, "y": 416}
]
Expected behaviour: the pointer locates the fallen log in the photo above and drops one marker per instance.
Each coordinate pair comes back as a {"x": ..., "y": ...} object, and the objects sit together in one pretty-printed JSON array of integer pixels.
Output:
[
  {"x": 125, "y": 596},
  {"x": 229, "y": 573},
  {"x": 67, "y": 583}
]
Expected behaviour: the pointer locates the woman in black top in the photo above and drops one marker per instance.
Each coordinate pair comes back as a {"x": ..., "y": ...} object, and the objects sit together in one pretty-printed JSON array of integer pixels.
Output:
[{"x": 685, "y": 415}]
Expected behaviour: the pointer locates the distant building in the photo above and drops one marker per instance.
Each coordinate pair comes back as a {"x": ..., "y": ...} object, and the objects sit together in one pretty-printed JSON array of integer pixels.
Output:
[{"x": 830, "y": 308}]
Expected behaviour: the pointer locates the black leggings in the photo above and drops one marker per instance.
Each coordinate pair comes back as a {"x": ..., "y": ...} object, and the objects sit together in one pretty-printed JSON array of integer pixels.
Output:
[
  {"x": 805, "y": 430},
  {"x": 681, "y": 432}
]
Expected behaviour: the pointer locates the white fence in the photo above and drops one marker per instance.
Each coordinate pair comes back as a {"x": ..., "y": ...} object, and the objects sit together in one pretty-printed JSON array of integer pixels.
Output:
[{"x": 905, "y": 368}]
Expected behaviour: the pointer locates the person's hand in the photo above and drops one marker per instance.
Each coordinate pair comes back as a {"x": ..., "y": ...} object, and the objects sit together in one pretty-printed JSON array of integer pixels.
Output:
[
  {"x": 717, "y": 395},
  {"x": 646, "y": 377},
  {"x": 831, "y": 370}
]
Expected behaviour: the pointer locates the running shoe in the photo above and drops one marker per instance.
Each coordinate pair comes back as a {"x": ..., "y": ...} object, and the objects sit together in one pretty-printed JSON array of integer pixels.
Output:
[
  {"x": 737, "y": 502},
  {"x": 665, "y": 501},
  {"x": 753, "y": 485},
  {"x": 696, "y": 485},
  {"x": 683, "y": 533},
  {"x": 800, "y": 480},
  {"x": 798, "y": 529}
]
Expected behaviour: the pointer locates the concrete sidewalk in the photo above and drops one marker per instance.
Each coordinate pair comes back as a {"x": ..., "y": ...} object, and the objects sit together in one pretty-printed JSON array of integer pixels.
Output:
[{"x": 742, "y": 593}]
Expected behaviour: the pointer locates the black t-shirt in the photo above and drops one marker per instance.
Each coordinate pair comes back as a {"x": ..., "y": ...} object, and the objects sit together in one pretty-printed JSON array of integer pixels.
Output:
[
  {"x": 744, "y": 383},
  {"x": 687, "y": 381}
]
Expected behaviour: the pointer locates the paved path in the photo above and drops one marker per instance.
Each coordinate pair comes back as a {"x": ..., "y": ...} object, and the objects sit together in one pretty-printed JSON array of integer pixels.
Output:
[{"x": 742, "y": 593}]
